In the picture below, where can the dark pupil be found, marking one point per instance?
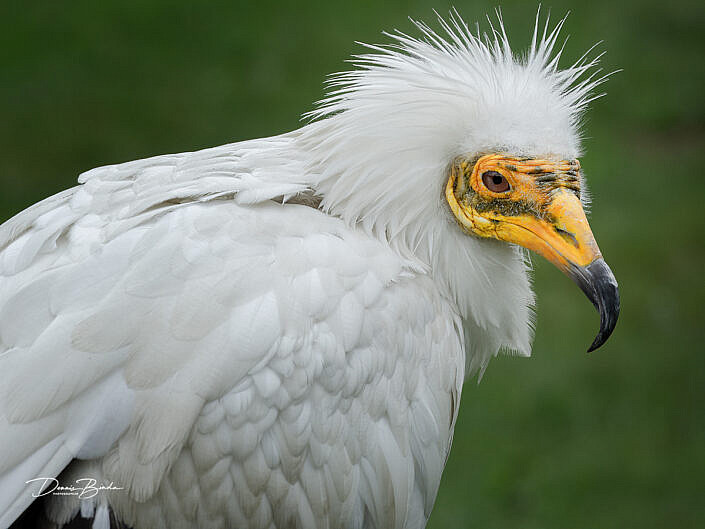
(495, 182)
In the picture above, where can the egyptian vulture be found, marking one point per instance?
(274, 333)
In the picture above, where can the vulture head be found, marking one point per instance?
(462, 155)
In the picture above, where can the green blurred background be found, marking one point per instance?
(564, 439)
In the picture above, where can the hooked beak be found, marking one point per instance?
(564, 237)
(600, 286)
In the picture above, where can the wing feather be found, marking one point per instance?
(168, 306)
(103, 304)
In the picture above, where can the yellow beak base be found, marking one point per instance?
(563, 235)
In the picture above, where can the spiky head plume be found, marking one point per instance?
(426, 100)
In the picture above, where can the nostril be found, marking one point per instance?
(567, 236)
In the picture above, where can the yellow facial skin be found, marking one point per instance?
(540, 211)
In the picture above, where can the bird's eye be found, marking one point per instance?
(495, 182)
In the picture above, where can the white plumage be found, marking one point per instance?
(274, 333)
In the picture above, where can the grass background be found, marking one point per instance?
(613, 439)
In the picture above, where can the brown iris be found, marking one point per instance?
(495, 182)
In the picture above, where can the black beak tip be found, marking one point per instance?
(597, 281)
(596, 343)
